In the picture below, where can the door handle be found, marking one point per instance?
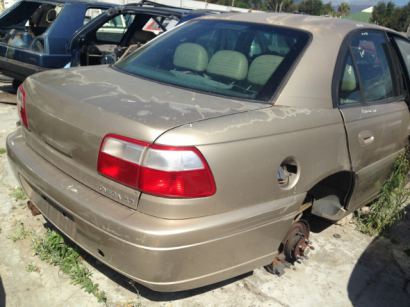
(366, 138)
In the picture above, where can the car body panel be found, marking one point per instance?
(376, 135)
(123, 104)
(171, 244)
(150, 249)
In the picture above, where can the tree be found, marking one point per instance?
(328, 10)
(388, 15)
(280, 5)
(343, 9)
(311, 7)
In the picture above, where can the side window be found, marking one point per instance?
(91, 13)
(349, 91)
(370, 54)
(114, 29)
(404, 47)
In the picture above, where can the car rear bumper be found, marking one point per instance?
(162, 254)
(18, 70)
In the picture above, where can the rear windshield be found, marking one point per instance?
(235, 59)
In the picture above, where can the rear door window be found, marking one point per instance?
(369, 51)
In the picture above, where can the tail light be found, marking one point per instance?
(21, 105)
(180, 172)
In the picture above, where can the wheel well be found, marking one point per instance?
(339, 184)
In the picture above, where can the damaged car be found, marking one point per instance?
(35, 34)
(121, 30)
(201, 155)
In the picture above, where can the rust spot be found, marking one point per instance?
(33, 208)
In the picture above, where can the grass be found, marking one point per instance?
(18, 194)
(31, 267)
(52, 249)
(389, 207)
(20, 233)
(2, 151)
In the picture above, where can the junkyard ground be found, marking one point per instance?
(346, 268)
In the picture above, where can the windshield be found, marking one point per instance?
(235, 59)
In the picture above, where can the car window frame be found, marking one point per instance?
(344, 51)
(280, 86)
(402, 65)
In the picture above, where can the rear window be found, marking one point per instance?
(234, 59)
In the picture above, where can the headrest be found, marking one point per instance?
(191, 56)
(228, 63)
(262, 68)
(349, 82)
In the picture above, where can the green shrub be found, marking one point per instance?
(53, 249)
(388, 208)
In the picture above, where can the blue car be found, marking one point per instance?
(122, 29)
(35, 34)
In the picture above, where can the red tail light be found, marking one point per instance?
(21, 105)
(180, 172)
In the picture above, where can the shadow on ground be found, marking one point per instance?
(317, 225)
(139, 289)
(2, 294)
(381, 276)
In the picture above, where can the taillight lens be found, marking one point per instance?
(21, 105)
(120, 159)
(166, 171)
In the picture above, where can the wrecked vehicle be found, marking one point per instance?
(121, 30)
(35, 34)
(199, 156)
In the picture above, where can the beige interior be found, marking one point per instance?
(349, 81)
(191, 56)
(228, 63)
(262, 68)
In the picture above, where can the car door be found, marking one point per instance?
(371, 100)
(402, 47)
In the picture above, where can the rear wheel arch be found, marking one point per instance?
(334, 190)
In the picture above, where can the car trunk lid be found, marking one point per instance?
(70, 111)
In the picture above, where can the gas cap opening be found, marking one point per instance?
(288, 173)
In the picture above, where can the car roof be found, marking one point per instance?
(319, 58)
(313, 24)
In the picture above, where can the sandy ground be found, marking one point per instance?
(346, 268)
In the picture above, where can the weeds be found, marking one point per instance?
(2, 151)
(31, 267)
(18, 194)
(52, 249)
(20, 233)
(388, 208)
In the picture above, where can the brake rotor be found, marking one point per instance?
(297, 244)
